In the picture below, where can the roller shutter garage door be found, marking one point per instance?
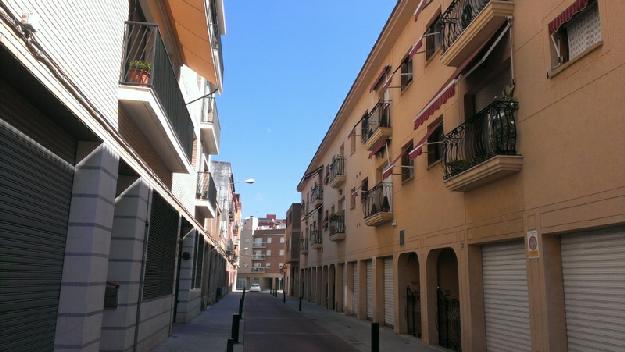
(370, 288)
(593, 271)
(389, 313)
(506, 306)
(356, 286)
(35, 194)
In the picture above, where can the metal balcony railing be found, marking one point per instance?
(336, 167)
(380, 116)
(259, 244)
(258, 257)
(303, 244)
(315, 235)
(316, 193)
(206, 189)
(258, 269)
(378, 199)
(458, 17)
(488, 133)
(146, 63)
(337, 223)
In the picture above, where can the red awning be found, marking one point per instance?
(418, 150)
(377, 147)
(419, 9)
(378, 81)
(567, 14)
(415, 47)
(439, 99)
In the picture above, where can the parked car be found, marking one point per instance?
(255, 288)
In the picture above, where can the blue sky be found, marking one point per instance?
(288, 66)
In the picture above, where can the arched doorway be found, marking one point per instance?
(409, 293)
(448, 300)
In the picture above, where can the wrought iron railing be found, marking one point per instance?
(206, 189)
(458, 17)
(303, 244)
(316, 193)
(146, 63)
(315, 235)
(337, 223)
(380, 116)
(258, 269)
(259, 244)
(336, 167)
(488, 133)
(378, 199)
(258, 257)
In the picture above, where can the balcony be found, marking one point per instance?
(337, 226)
(303, 246)
(316, 196)
(258, 257)
(206, 195)
(482, 149)
(376, 127)
(468, 24)
(150, 96)
(337, 171)
(210, 129)
(378, 204)
(315, 238)
(259, 245)
(258, 269)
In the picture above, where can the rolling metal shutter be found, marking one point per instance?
(356, 292)
(35, 195)
(389, 313)
(506, 306)
(593, 271)
(370, 288)
(160, 262)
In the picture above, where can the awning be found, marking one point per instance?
(377, 147)
(418, 150)
(566, 15)
(435, 103)
(419, 9)
(191, 25)
(378, 81)
(388, 170)
(415, 47)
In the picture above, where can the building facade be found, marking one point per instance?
(470, 188)
(263, 252)
(293, 243)
(108, 206)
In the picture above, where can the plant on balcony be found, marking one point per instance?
(139, 71)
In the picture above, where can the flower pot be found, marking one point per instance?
(139, 76)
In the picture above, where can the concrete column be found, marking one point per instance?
(472, 298)
(378, 290)
(428, 280)
(85, 268)
(362, 292)
(349, 288)
(324, 286)
(130, 225)
(206, 276)
(338, 284)
(188, 305)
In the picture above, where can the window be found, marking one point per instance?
(578, 35)
(282, 252)
(364, 127)
(435, 147)
(268, 265)
(364, 188)
(352, 142)
(352, 198)
(406, 72)
(282, 239)
(268, 239)
(407, 164)
(269, 252)
(433, 37)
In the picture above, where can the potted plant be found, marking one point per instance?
(139, 71)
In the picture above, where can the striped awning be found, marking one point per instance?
(436, 102)
(566, 15)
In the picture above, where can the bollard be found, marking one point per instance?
(300, 303)
(236, 319)
(230, 346)
(241, 307)
(375, 337)
(283, 296)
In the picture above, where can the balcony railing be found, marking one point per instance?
(258, 257)
(380, 116)
(316, 194)
(303, 245)
(206, 189)
(315, 235)
(337, 223)
(146, 63)
(259, 245)
(378, 199)
(258, 269)
(458, 17)
(336, 167)
(488, 133)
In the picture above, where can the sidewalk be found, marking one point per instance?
(358, 332)
(208, 332)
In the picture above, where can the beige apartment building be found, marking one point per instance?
(471, 188)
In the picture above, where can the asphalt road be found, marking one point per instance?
(271, 326)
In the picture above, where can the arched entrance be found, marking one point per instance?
(409, 293)
(447, 299)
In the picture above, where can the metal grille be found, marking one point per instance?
(389, 312)
(378, 199)
(206, 189)
(458, 17)
(380, 116)
(160, 262)
(356, 288)
(584, 31)
(506, 305)
(35, 193)
(370, 288)
(199, 261)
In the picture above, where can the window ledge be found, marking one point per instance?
(558, 69)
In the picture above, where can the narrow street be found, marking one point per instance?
(269, 325)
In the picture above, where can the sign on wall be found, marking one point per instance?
(532, 244)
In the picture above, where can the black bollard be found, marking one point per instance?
(300, 303)
(283, 296)
(241, 307)
(375, 337)
(236, 319)
(230, 346)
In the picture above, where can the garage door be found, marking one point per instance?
(370, 288)
(593, 269)
(389, 314)
(35, 193)
(506, 305)
(356, 286)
